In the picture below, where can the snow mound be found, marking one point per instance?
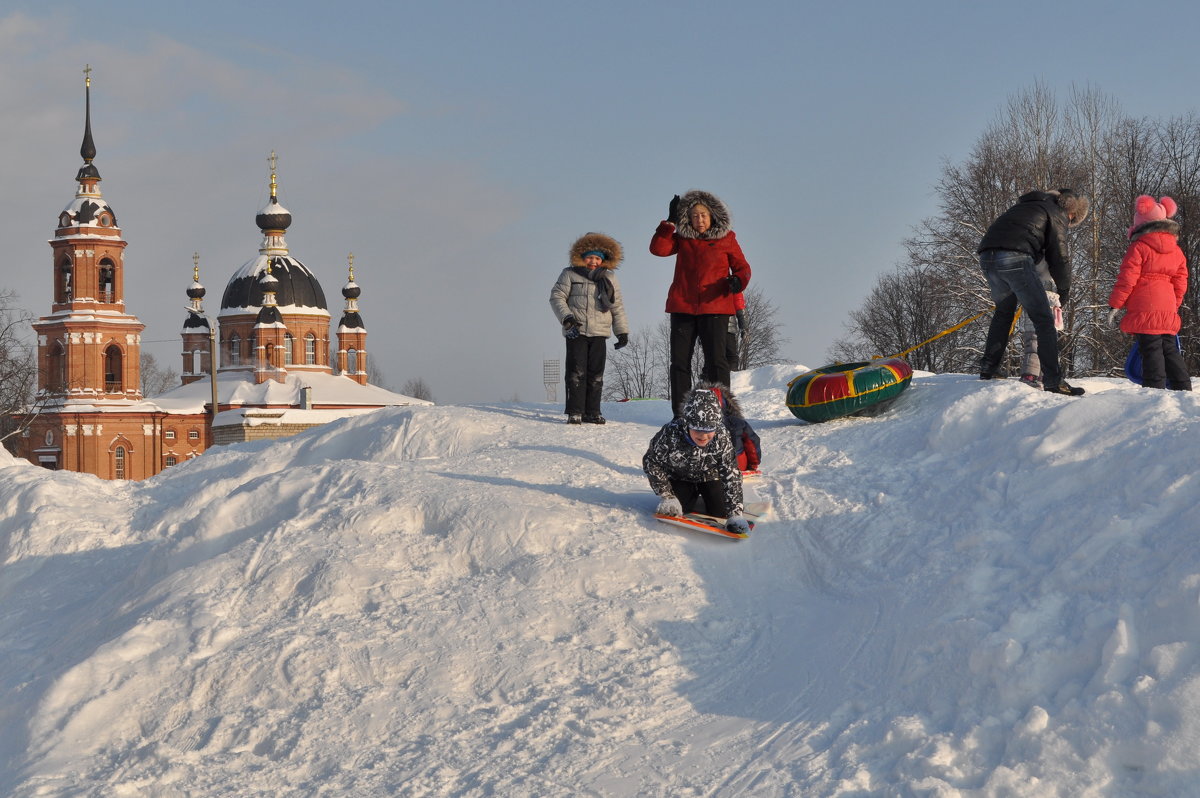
(985, 590)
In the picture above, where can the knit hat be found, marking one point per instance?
(702, 412)
(1146, 210)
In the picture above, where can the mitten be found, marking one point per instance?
(737, 525)
(622, 340)
(570, 327)
(1112, 317)
(669, 505)
(735, 284)
(673, 209)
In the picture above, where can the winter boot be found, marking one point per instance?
(596, 419)
(1063, 388)
(574, 418)
(1032, 381)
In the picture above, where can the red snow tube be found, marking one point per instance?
(845, 389)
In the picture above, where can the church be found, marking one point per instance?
(266, 368)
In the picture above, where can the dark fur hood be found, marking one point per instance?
(613, 254)
(1161, 226)
(721, 221)
(729, 402)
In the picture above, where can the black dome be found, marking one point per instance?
(273, 217)
(195, 321)
(296, 285)
(351, 320)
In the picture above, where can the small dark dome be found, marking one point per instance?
(195, 321)
(196, 291)
(268, 281)
(351, 320)
(88, 172)
(351, 290)
(269, 315)
(273, 217)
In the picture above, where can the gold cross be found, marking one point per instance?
(350, 258)
(196, 266)
(87, 74)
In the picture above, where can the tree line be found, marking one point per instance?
(1084, 142)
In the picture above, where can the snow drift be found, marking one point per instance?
(986, 590)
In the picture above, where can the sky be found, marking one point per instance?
(459, 148)
(984, 590)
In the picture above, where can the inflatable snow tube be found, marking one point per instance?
(846, 389)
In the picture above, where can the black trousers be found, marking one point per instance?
(585, 374)
(713, 494)
(1162, 364)
(712, 329)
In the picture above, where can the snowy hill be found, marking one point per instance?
(985, 590)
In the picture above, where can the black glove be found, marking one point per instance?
(673, 209)
(1062, 296)
(622, 340)
(570, 327)
(735, 284)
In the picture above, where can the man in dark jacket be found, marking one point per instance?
(1033, 229)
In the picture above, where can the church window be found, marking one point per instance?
(112, 369)
(119, 463)
(170, 461)
(352, 361)
(66, 271)
(235, 350)
(193, 435)
(107, 272)
(169, 434)
(58, 368)
(310, 349)
(288, 343)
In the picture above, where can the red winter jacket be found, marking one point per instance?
(702, 270)
(1152, 281)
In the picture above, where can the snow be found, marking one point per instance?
(984, 591)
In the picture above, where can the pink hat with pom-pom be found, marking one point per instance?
(1146, 210)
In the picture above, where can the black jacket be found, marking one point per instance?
(1036, 226)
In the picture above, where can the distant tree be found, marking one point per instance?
(762, 340)
(18, 371)
(156, 379)
(375, 375)
(417, 389)
(636, 371)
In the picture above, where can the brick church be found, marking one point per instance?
(274, 376)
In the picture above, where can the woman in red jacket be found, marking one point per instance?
(710, 270)
(1150, 286)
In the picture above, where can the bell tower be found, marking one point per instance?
(88, 347)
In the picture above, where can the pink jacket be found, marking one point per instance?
(1152, 282)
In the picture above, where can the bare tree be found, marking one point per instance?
(155, 378)
(18, 371)
(636, 371)
(762, 339)
(375, 375)
(417, 389)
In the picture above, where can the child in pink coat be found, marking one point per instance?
(1150, 286)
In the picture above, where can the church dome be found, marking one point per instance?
(273, 217)
(297, 289)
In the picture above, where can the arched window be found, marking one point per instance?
(113, 374)
(197, 362)
(352, 361)
(288, 343)
(57, 378)
(235, 350)
(119, 463)
(310, 349)
(107, 281)
(66, 271)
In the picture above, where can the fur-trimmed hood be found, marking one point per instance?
(722, 223)
(1161, 226)
(613, 254)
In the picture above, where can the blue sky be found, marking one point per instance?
(458, 148)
